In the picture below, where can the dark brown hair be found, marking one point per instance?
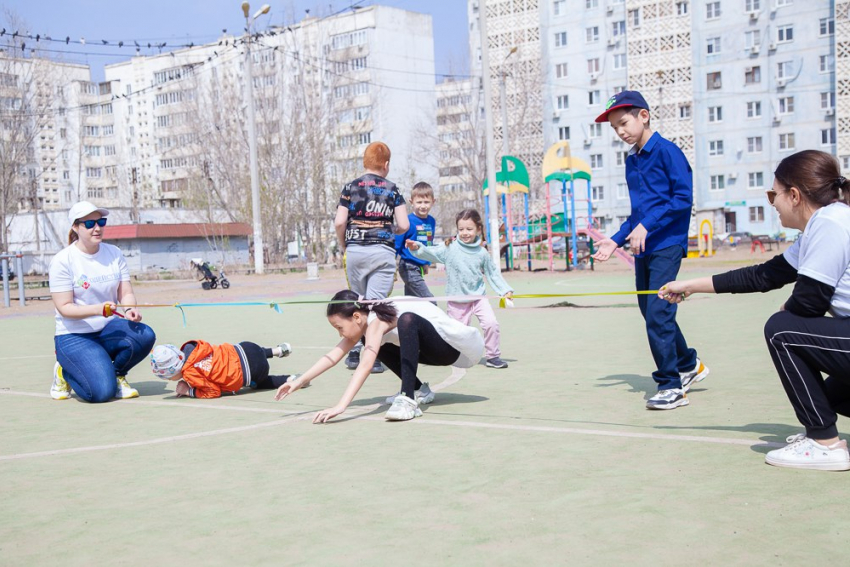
(72, 236)
(817, 175)
(474, 216)
(635, 111)
(344, 303)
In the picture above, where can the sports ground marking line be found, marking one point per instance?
(357, 413)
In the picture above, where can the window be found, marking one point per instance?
(827, 26)
(784, 70)
(559, 7)
(91, 150)
(713, 81)
(622, 190)
(717, 182)
(684, 111)
(561, 39)
(564, 133)
(755, 180)
(752, 75)
(786, 105)
(752, 38)
(715, 114)
(634, 17)
(595, 130)
(752, 5)
(597, 193)
(591, 4)
(754, 144)
(94, 172)
(362, 113)
(715, 148)
(825, 63)
(563, 102)
(108, 130)
(712, 46)
(364, 138)
(682, 8)
(781, 3)
(756, 214)
(593, 97)
(350, 39)
(621, 158)
(786, 141)
(109, 150)
(595, 161)
(827, 100)
(619, 61)
(754, 109)
(785, 34)
(827, 137)
(93, 131)
(593, 65)
(591, 34)
(712, 10)
(618, 28)
(560, 70)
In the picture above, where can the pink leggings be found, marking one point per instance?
(481, 308)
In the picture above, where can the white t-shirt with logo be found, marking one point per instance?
(93, 278)
(823, 253)
(466, 340)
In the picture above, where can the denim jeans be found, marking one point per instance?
(91, 361)
(666, 342)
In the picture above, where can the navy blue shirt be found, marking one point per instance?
(422, 231)
(661, 191)
(371, 201)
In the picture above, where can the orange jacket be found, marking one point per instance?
(212, 369)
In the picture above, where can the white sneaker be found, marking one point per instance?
(125, 391)
(424, 395)
(285, 350)
(698, 374)
(805, 453)
(667, 399)
(59, 390)
(403, 409)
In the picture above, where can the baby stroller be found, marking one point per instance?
(209, 280)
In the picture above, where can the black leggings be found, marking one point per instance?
(258, 367)
(803, 349)
(420, 342)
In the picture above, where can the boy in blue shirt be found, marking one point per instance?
(422, 225)
(660, 184)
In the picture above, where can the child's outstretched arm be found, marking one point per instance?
(494, 276)
(436, 253)
(322, 365)
(368, 356)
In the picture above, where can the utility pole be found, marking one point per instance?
(488, 137)
(35, 217)
(134, 213)
(252, 138)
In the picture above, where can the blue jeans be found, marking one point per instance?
(669, 348)
(91, 361)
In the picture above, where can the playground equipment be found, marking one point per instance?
(511, 180)
(705, 241)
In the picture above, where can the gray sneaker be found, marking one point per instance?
(285, 350)
(667, 399)
(496, 362)
(424, 395)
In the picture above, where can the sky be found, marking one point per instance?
(202, 21)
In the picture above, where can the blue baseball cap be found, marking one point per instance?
(623, 99)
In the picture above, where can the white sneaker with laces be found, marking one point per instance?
(667, 399)
(125, 391)
(424, 395)
(285, 350)
(403, 409)
(59, 390)
(805, 453)
(698, 374)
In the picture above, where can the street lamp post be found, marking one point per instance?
(492, 198)
(252, 137)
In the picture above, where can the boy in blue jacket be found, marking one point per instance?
(422, 225)
(660, 184)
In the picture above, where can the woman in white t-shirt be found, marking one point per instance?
(95, 345)
(810, 195)
(401, 334)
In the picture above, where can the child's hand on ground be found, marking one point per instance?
(288, 388)
(604, 249)
(411, 245)
(330, 413)
(182, 389)
(637, 239)
(673, 292)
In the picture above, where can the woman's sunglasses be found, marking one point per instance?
(101, 222)
(771, 195)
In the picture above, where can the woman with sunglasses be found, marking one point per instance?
(810, 195)
(96, 344)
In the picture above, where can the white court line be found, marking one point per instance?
(354, 413)
(54, 356)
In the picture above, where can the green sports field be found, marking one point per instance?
(553, 461)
